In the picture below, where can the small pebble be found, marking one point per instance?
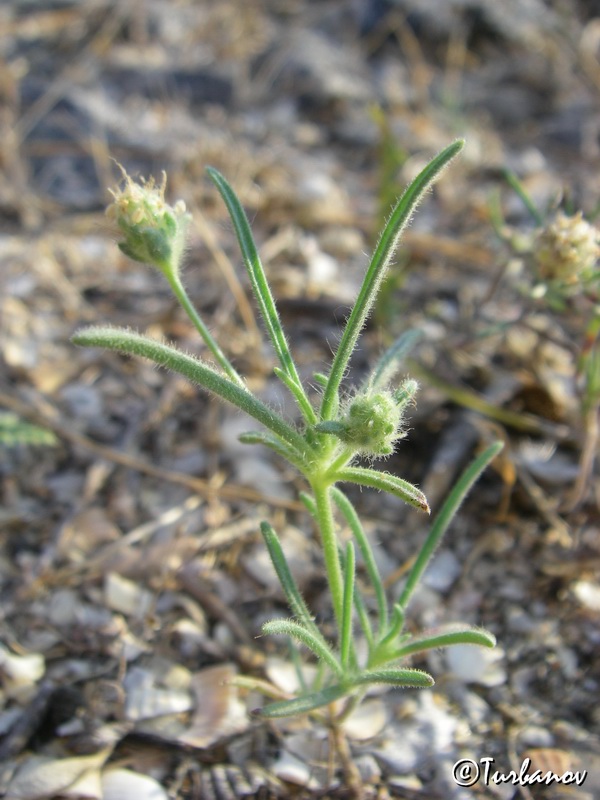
(476, 664)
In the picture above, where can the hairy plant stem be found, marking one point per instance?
(326, 525)
(183, 297)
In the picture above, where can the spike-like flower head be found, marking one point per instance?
(567, 250)
(154, 231)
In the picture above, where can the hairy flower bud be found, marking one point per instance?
(154, 231)
(567, 250)
(372, 421)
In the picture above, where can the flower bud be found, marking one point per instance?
(154, 231)
(372, 423)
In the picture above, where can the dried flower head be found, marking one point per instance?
(154, 231)
(567, 250)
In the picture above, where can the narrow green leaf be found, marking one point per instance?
(14, 432)
(135, 344)
(518, 187)
(295, 600)
(299, 394)
(277, 445)
(287, 627)
(331, 427)
(475, 636)
(347, 605)
(363, 617)
(396, 625)
(309, 503)
(377, 269)
(302, 705)
(399, 677)
(445, 516)
(354, 523)
(386, 482)
(389, 364)
(256, 273)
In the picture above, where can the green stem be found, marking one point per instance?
(183, 298)
(297, 390)
(347, 454)
(351, 517)
(326, 525)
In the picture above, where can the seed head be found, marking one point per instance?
(567, 250)
(154, 232)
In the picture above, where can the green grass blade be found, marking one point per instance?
(445, 516)
(518, 187)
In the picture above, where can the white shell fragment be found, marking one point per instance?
(145, 701)
(40, 778)
(476, 664)
(125, 596)
(367, 720)
(291, 769)
(18, 674)
(219, 711)
(285, 676)
(588, 594)
(122, 784)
